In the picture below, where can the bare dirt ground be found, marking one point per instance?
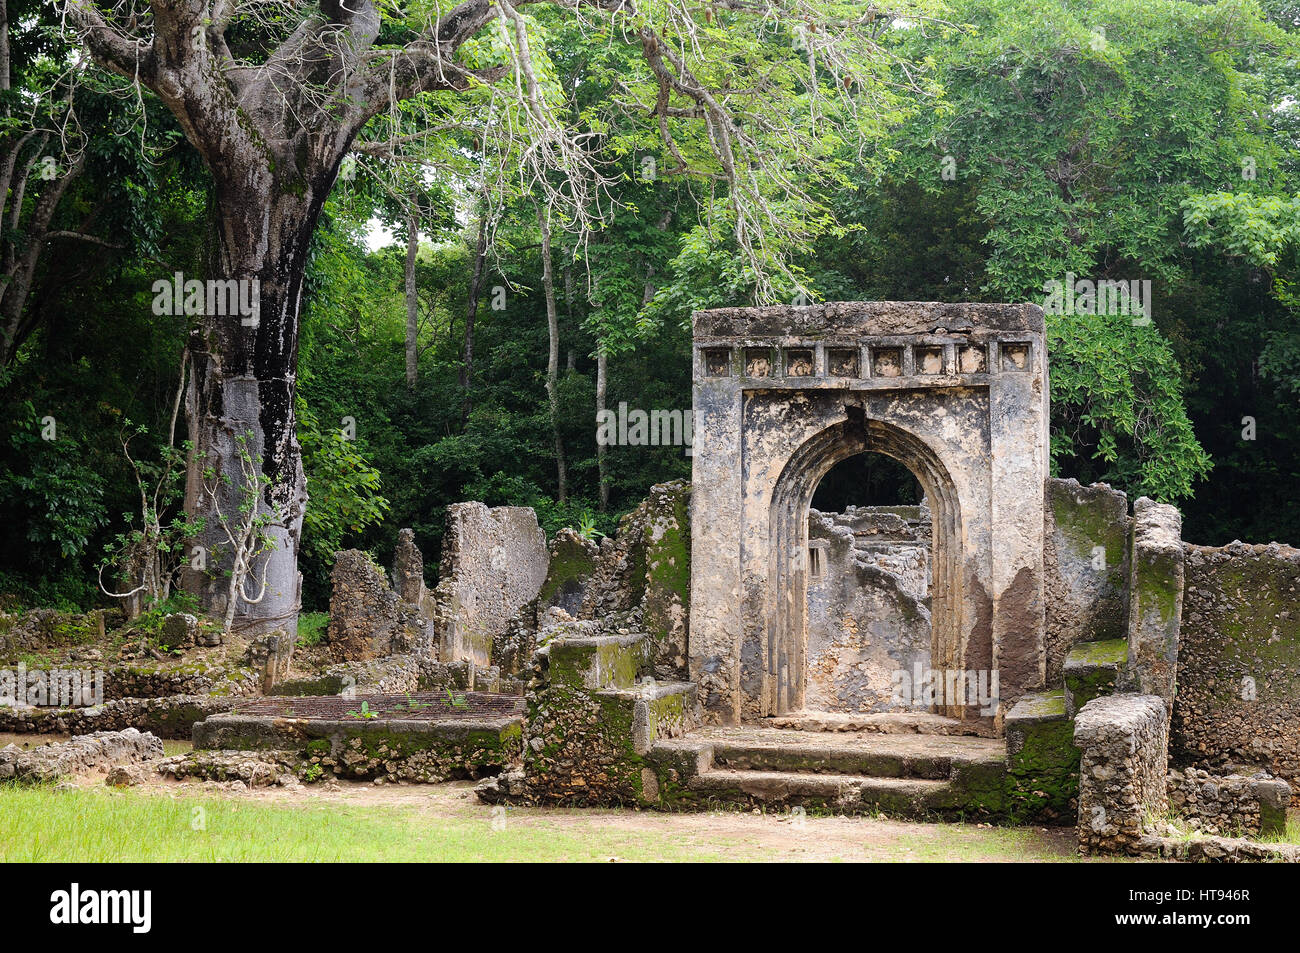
(713, 835)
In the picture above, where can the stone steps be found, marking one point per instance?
(888, 722)
(1093, 669)
(907, 774)
(840, 792)
(660, 710)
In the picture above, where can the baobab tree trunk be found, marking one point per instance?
(241, 398)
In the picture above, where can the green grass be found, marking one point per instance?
(1292, 834)
(39, 825)
(99, 824)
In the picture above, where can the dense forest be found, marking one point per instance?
(494, 261)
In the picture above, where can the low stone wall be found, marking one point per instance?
(100, 750)
(1123, 742)
(1228, 804)
(1085, 566)
(1238, 704)
(172, 717)
(1220, 850)
(426, 744)
(129, 682)
(252, 768)
(40, 630)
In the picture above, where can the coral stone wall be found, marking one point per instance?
(1238, 703)
(1124, 746)
(494, 561)
(1085, 564)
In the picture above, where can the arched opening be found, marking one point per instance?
(786, 661)
(868, 586)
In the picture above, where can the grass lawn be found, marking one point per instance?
(443, 823)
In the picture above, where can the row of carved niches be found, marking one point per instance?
(864, 361)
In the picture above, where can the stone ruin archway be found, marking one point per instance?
(958, 393)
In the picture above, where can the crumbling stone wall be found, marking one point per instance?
(1123, 742)
(1085, 562)
(1228, 804)
(41, 630)
(367, 618)
(1238, 703)
(494, 562)
(635, 581)
(868, 614)
(171, 717)
(645, 571)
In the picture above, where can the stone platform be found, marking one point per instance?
(422, 736)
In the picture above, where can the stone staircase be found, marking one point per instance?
(1042, 761)
(905, 773)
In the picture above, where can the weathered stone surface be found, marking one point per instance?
(1238, 703)
(1124, 749)
(413, 746)
(1155, 599)
(1215, 850)
(642, 576)
(868, 607)
(252, 768)
(271, 656)
(40, 630)
(82, 754)
(170, 717)
(974, 434)
(1085, 562)
(180, 628)
(572, 564)
(494, 562)
(1092, 669)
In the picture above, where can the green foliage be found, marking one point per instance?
(50, 489)
(344, 487)
(312, 627)
(1117, 388)
(1105, 138)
